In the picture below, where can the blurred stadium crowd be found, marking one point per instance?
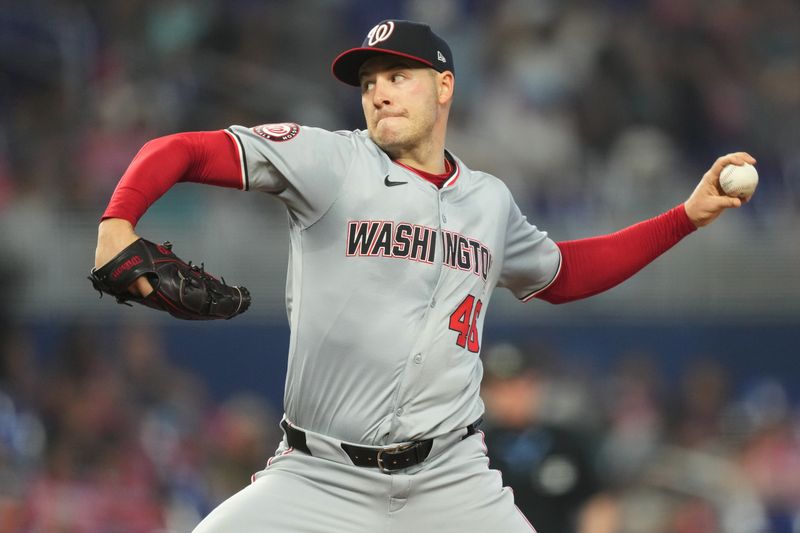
(95, 440)
(612, 96)
(594, 113)
(92, 441)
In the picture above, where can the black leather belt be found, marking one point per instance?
(389, 459)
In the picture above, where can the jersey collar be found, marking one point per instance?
(456, 173)
(452, 174)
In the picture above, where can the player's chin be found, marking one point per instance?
(389, 141)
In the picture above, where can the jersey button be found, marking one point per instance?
(433, 303)
(418, 358)
(444, 218)
(399, 411)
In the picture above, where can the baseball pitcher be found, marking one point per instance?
(396, 248)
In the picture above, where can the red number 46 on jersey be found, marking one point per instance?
(464, 320)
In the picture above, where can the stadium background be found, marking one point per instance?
(596, 114)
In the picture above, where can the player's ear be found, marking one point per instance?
(445, 84)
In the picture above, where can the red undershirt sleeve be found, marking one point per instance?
(209, 157)
(593, 265)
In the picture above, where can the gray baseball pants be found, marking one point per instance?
(453, 491)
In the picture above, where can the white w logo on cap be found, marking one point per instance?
(380, 33)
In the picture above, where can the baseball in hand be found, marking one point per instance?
(739, 181)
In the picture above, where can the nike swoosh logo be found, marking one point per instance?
(389, 183)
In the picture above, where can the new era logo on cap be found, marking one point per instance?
(395, 37)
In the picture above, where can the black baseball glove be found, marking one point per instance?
(181, 289)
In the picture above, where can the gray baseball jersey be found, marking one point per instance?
(389, 281)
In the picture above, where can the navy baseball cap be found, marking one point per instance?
(395, 37)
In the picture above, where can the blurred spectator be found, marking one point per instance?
(704, 394)
(22, 435)
(549, 466)
(242, 436)
(635, 416)
(770, 455)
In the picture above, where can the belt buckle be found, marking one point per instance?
(394, 449)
